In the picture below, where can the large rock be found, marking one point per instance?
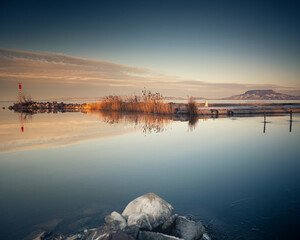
(101, 233)
(187, 229)
(113, 236)
(48, 236)
(169, 223)
(144, 235)
(108, 232)
(117, 220)
(156, 208)
(132, 231)
(141, 220)
(77, 236)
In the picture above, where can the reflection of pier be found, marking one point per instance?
(248, 109)
(291, 121)
(151, 122)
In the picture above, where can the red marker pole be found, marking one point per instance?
(20, 99)
(20, 92)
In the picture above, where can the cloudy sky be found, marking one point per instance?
(198, 48)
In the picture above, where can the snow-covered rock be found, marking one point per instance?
(106, 232)
(141, 220)
(144, 235)
(146, 218)
(169, 223)
(156, 208)
(116, 219)
(187, 229)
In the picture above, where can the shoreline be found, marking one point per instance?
(176, 108)
(147, 217)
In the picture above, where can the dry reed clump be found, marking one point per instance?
(26, 99)
(192, 107)
(147, 103)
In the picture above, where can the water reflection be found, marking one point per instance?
(193, 122)
(62, 129)
(265, 122)
(147, 123)
(24, 117)
(53, 130)
(291, 120)
(225, 171)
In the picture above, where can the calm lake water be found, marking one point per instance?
(66, 171)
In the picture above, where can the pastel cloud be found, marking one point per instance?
(86, 77)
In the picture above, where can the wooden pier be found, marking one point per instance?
(214, 110)
(249, 110)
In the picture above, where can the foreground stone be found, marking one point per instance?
(169, 223)
(141, 220)
(48, 236)
(156, 208)
(155, 236)
(145, 218)
(187, 229)
(117, 220)
(106, 232)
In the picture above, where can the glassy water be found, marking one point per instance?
(64, 172)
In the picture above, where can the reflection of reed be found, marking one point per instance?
(25, 116)
(193, 121)
(148, 123)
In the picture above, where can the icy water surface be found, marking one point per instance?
(66, 171)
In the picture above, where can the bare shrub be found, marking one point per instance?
(26, 99)
(192, 107)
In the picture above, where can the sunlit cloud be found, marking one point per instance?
(65, 76)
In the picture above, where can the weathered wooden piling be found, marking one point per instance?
(265, 122)
(291, 120)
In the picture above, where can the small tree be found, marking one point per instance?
(192, 107)
(26, 99)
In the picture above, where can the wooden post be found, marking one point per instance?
(291, 120)
(265, 121)
(20, 92)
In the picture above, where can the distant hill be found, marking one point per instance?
(263, 95)
(199, 98)
(174, 98)
(182, 98)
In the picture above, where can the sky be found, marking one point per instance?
(198, 48)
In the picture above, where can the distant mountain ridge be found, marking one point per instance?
(263, 95)
(248, 95)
